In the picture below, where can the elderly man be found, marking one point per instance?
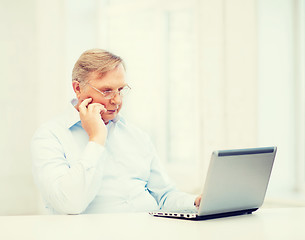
(90, 159)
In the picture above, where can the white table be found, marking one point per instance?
(273, 223)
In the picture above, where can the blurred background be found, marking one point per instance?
(205, 75)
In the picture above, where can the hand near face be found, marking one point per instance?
(90, 116)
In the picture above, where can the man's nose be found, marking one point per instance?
(117, 99)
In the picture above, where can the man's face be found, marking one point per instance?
(113, 80)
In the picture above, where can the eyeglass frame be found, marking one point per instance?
(113, 93)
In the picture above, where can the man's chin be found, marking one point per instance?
(108, 117)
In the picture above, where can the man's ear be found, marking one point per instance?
(76, 88)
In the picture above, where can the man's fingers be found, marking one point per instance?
(197, 201)
(84, 104)
(97, 107)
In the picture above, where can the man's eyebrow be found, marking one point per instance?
(106, 88)
(111, 88)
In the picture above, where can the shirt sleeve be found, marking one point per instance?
(68, 188)
(164, 191)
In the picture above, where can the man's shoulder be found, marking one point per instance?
(54, 124)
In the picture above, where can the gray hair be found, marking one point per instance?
(94, 60)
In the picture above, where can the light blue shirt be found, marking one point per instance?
(76, 176)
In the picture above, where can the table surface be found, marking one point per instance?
(266, 223)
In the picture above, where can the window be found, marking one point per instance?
(159, 46)
(281, 92)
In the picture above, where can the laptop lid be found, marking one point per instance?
(236, 180)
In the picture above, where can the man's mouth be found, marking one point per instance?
(111, 111)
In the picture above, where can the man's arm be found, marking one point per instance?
(67, 187)
(70, 187)
(166, 195)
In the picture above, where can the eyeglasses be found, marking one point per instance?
(110, 94)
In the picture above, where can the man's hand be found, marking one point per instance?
(197, 201)
(92, 122)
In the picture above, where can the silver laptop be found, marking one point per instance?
(236, 184)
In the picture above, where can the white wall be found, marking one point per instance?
(19, 103)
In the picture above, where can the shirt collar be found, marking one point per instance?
(73, 115)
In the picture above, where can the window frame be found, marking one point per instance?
(299, 9)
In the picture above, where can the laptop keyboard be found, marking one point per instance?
(188, 211)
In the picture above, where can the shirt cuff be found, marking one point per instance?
(185, 202)
(190, 202)
(92, 154)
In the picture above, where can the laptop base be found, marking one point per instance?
(193, 217)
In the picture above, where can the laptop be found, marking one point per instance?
(236, 184)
